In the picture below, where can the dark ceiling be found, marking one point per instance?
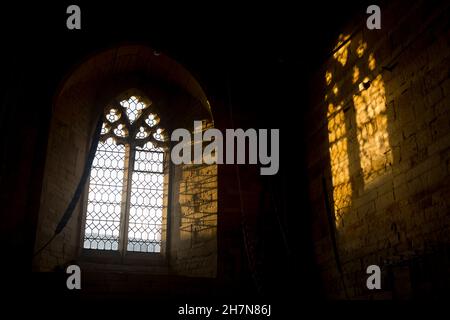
(214, 40)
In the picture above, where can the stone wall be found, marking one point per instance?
(194, 223)
(70, 134)
(379, 144)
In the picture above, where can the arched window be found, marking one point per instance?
(125, 205)
(139, 211)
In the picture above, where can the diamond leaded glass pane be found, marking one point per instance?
(146, 200)
(105, 197)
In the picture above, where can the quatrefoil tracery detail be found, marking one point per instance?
(132, 121)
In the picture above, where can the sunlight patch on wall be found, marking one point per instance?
(337, 135)
(335, 90)
(341, 55)
(372, 62)
(369, 135)
(372, 134)
(355, 74)
(198, 201)
(362, 46)
(328, 77)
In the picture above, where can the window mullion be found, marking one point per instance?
(126, 200)
(169, 172)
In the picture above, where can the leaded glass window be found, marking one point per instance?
(126, 189)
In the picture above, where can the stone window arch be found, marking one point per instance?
(188, 237)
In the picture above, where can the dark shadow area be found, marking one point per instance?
(258, 66)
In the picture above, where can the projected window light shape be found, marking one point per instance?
(370, 133)
(339, 160)
(355, 77)
(125, 209)
(328, 77)
(362, 46)
(343, 44)
(198, 201)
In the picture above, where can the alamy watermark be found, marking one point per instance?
(235, 147)
(73, 21)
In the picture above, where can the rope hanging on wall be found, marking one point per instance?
(79, 190)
